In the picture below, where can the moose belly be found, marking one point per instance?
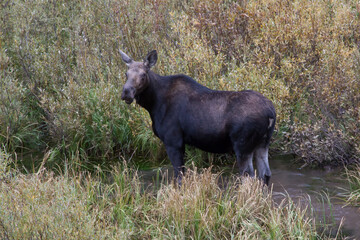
(209, 143)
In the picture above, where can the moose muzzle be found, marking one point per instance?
(128, 94)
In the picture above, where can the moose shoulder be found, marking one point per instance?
(184, 112)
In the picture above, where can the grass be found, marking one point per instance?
(353, 176)
(114, 204)
(60, 83)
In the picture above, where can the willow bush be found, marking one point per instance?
(61, 73)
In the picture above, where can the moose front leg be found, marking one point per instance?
(176, 155)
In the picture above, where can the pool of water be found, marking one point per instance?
(322, 189)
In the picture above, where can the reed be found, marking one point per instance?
(353, 195)
(114, 204)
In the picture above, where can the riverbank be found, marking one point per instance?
(112, 204)
(65, 127)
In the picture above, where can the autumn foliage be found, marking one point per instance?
(61, 72)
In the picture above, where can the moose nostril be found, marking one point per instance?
(124, 93)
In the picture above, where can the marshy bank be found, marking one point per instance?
(60, 82)
(324, 192)
(115, 204)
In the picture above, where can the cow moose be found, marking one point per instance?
(184, 112)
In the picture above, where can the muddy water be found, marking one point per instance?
(322, 189)
(325, 189)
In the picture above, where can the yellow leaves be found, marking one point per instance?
(292, 51)
(222, 84)
(192, 54)
(196, 23)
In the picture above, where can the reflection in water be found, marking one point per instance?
(320, 186)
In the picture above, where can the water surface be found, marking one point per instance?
(324, 188)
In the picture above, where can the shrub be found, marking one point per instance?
(60, 62)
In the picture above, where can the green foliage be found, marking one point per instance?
(19, 115)
(61, 73)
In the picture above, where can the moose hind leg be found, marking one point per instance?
(245, 164)
(262, 163)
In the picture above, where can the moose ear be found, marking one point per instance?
(151, 59)
(125, 58)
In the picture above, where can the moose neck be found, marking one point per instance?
(150, 96)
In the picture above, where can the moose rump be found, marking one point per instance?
(184, 112)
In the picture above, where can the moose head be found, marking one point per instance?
(137, 75)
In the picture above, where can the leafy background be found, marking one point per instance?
(62, 75)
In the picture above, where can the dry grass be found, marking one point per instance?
(353, 197)
(243, 210)
(112, 205)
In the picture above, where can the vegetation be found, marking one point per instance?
(64, 128)
(61, 73)
(113, 205)
(353, 196)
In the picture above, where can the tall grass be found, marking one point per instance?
(113, 205)
(61, 73)
(353, 176)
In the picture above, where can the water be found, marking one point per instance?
(323, 189)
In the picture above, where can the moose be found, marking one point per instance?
(185, 112)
